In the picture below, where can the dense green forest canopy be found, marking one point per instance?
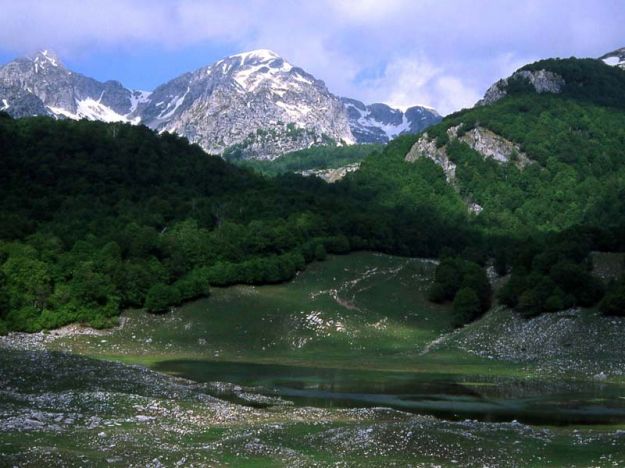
(587, 80)
(97, 217)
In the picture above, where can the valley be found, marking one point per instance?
(346, 363)
(242, 268)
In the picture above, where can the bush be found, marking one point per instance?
(466, 306)
(436, 293)
(453, 274)
(320, 253)
(25, 319)
(100, 322)
(160, 297)
(614, 301)
(193, 285)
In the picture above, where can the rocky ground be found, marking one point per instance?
(59, 409)
(575, 343)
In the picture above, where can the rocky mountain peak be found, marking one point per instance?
(253, 104)
(46, 58)
(543, 81)
(379, 123)
(39, 84)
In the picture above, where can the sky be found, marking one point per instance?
(443, 54)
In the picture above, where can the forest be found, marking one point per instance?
(99, 217)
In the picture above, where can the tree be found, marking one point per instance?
(614, 301)
(28, 280)
(466, 306)
(160, 297)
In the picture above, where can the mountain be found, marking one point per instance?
(379, 123)
(542, 151)
(253, 105)
(133, 217)
(615, 58)
(538, 170)
(41, 85)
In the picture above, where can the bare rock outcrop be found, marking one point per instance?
(543, 81)
(332, 175)
(484, 141)
(426, 148)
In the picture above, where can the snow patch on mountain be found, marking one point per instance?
(379, 123)
(174, 104)
(615, 58)
(138, 97)
(90, 109)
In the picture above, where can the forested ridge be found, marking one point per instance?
(98, 217)
(544, 219)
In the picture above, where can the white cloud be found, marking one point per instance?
(367, 11)
(442, 54)
(453, 94)
(406, 82)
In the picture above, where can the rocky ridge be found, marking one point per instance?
(484, 141)
(41, 85)
(249, 105)
(379, 123)
(615, 58)
(543, 81)
(332, 175)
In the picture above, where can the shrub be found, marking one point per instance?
(466, 306)
(160, 297)
(614, 301)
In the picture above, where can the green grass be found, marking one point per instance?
(358, 311)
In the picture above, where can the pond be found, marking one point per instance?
(445, 396)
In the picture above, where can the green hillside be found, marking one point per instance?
(543, 216)
(99, 217)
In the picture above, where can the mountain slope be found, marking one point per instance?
(379, 123)
(41, 85)
(615, 58)
(539, 159)
(253, 105)
(255, 100)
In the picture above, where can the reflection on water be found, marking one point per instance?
(530, 401)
